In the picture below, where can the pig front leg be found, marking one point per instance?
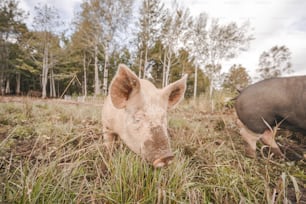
(268, 139)
(109, 139)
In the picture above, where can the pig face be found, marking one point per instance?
(139, 111)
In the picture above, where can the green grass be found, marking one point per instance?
(52, 152)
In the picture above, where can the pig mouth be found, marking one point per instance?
(163, 161)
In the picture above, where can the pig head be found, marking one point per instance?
(136, 111)
(268, 104)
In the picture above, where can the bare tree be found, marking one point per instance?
(174, 29)
(104, 23)
(82, 45)
(195, 40)
(46, 22)
(115, 16)
(152, 15)
(224, 42)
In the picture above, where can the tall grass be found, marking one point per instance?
(52, 152)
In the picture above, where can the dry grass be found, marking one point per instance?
(52, 152)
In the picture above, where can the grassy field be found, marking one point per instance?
(52, 152)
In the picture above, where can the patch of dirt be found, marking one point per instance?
(292, 196)
(3, 132)
(293, 145)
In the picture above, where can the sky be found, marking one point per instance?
(273, 22)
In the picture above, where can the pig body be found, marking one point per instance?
(265, 104)
(136, 111)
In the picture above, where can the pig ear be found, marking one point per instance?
(175, 92)
(123, 86)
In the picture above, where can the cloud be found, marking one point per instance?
(65, 8)
(275, 22)
(299, 24)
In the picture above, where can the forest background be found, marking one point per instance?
(156, 42)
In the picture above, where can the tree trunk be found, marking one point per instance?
(45, 70)
(97, 81)
(140, 61)
(52, 84)
(85, 75)
(164, 71)
(105, 72)
(145, 62)
(4, 64)
(18, 78)
(52, 81)
(211, 88)
(168, 68)
(7, 86)
(195, 83)
(2, 83)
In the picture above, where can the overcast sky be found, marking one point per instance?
(274, 22)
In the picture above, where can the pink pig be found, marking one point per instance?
(136, 111)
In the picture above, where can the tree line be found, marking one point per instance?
(158, 43)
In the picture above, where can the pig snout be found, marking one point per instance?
(157, 148)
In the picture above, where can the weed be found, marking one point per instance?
(52, 152)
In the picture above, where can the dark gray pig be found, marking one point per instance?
(263, 105)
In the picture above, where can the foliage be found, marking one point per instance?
(47, 57)
(46, 24)
(225, 41)
(99, 28)
(237, 78)
(211, 42)
(11, 56)
(152, 15)
(173, 30)
(275, 62)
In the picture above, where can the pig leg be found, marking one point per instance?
(109, 139)
(268, 139)
(250, 140)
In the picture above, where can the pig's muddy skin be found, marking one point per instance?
(268, 103)
(136, 111)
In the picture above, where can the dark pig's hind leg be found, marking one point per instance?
(268, 138)
(250, 140)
